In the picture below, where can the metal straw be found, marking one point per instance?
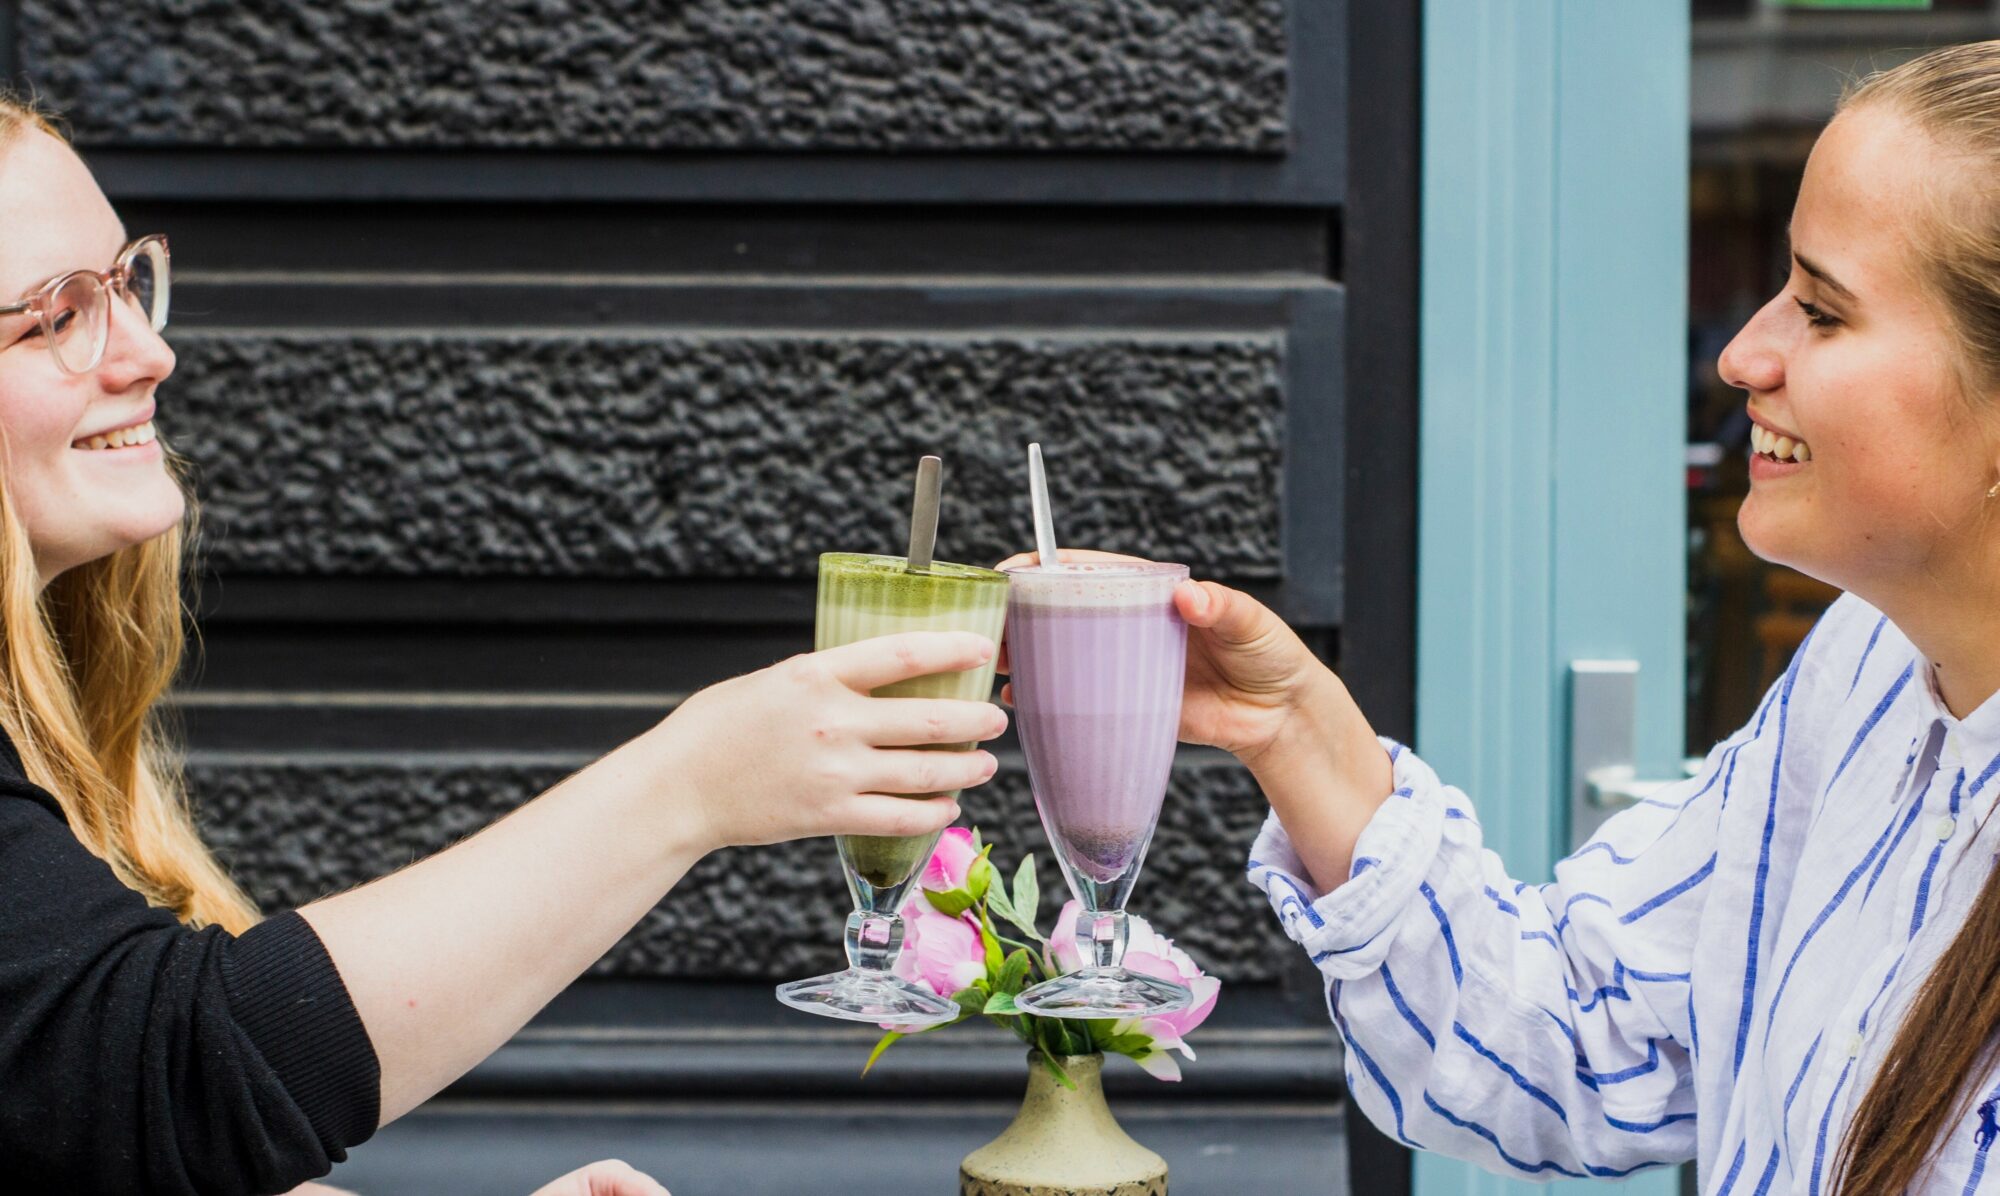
(1038, 497)
(924, 513)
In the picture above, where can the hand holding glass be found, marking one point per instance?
(862, 597)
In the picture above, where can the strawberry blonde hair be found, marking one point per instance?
(83, 665)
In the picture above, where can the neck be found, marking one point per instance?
(1953, 626)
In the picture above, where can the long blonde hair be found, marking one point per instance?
(83, 665)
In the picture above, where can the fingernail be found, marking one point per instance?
(1201, 600)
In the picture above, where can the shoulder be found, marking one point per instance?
(15, 785)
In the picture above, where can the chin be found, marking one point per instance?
(135, 527)
(1773, 539)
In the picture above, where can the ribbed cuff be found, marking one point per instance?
(287, 995)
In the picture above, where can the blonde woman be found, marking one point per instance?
(1788, 967)
(158, 1036)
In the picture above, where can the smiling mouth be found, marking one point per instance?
(131, 437)
(1771, 446)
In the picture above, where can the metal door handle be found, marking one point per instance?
(1616, 786)
(1603, 734)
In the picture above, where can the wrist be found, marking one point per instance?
(1313, 726)
(654, 783)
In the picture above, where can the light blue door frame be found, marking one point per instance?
(1551, 520)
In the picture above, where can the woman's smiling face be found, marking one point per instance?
(78, 498)
(1879, 481)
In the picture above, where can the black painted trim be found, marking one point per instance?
(10, 44)
(1380, 248)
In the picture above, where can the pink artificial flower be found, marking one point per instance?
(1150, 954)
(951, 862)
(942, 952)
(1063, 949)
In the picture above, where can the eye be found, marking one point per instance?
(1815, 315)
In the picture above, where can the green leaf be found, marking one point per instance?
(1013, 977)
(970, 1001)
(950, 902)
(996, 900)
(980, 877)
(1129, 1044)
(1056, 1070)
(1027, 900)
(996, 959)
(1060, 1037)
(977, 845)
(1011, 908)
(888, 1040)
(1000, 1004)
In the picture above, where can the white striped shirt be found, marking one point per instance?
(1717, 974)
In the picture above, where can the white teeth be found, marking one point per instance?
(120, 438)
(1783, 448)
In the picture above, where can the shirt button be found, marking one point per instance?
(1854, 1046)
(1945, 826)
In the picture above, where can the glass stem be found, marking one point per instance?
(873, 940)
(1105, 931)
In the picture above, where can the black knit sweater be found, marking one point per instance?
(139, 1056)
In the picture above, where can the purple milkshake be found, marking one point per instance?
(1098, 658)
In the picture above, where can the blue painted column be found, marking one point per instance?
(1551, 521)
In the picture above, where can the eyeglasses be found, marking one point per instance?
(74, 310)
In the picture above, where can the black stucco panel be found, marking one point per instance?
(717, 456)
(299, 829)
(1143, 75)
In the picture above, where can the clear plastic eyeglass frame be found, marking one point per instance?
(74, 309)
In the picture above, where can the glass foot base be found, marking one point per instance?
(1103, 992)
(860, 996)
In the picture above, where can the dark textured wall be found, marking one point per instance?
(1148, 75)
(296, 830)
(530, 350)
(678, 455)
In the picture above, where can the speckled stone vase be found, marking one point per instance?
(1063, 1143)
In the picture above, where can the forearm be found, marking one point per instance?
(447, 958)
(1325, 774)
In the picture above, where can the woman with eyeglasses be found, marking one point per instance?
(159, 1036)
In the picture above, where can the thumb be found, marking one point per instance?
(1229, 615)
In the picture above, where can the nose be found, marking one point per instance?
(1754, 359)
(133, 353)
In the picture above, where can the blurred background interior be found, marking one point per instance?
(1765, 80)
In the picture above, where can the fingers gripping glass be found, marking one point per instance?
(73, 312)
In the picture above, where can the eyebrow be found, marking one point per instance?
(1820, 273)
(124, 239)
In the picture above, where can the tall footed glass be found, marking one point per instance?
(1098, 656)
(862, 597)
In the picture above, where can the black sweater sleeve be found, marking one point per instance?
(139, 1056)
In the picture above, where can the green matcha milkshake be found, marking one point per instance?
(862, 597)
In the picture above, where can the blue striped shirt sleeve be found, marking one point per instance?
(1535, 1030)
